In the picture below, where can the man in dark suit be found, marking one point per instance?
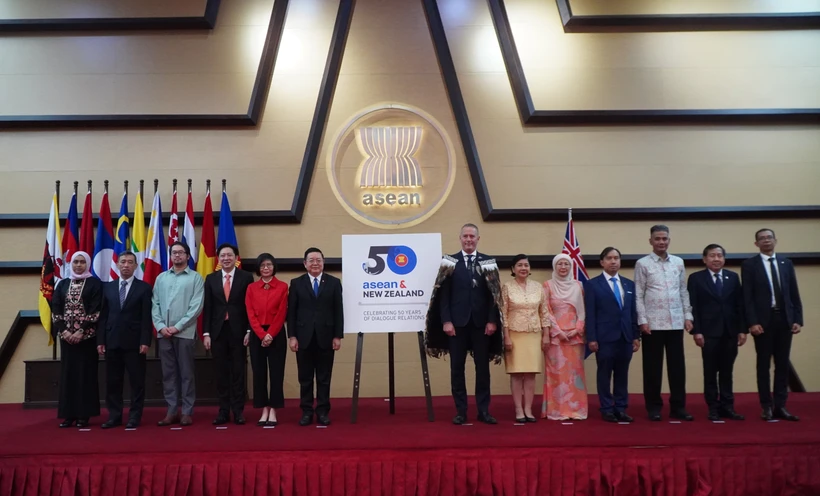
(315, 331)
(612, 333)
(774, 314)
(124, 336)
(469, 316)
(226, 332)
(717, 305)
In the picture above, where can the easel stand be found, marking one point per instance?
(357, 375)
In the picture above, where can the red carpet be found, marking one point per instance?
(406, 455)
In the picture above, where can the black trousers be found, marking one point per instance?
(776, 341)
(613, 368)
(653, 348)
(229, 360)
(117, 362)
(269, 364)
(312, 361)
(465, 338)
(719, 356)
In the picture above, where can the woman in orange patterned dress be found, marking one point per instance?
(565, 393)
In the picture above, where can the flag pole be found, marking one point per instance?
(156, 185)
(190, 181)
(57, 192)
(224, 185)
(142, 187)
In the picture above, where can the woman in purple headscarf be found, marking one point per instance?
(75, 310)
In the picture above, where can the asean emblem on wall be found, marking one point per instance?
(391, 166)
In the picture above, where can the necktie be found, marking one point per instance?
(718, 284)
(123, 285)
(227, 289)
(617, 292)
(316, 286)
(470, 263)
(778, 295)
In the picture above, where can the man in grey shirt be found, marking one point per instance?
(177, 302)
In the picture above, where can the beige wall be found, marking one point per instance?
(390, 57)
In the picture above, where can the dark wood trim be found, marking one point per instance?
(465, 131)
(650, 23)
(294, 264)
(23, 319)
(333, 64)
(532, 116)
(118, 121)
(775, 212)
(206, 21)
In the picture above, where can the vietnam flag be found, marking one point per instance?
(52, 263)
(156, 259)
(207, 246)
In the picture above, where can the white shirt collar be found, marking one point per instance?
(224, 274)
(609, 277)
(465, 254)
(319, 277)
(767, 257)
(718, 273)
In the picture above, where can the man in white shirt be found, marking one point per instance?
(663, 314)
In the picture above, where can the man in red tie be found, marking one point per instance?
(226, 332)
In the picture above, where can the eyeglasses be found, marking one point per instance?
(178, 252)
(266, 266)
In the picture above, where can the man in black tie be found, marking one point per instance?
(124, 335)
(774, 314)
(315, 331)
(717, 306)
(470, 318)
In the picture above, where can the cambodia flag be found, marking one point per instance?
(71, 235)
(104, 247)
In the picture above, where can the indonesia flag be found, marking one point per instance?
(173, 229)
(188, 231)
(155, 256)
(104, 247)
(572, 248)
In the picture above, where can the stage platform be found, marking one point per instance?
(404, 454)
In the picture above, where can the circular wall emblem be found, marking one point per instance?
(391, 166)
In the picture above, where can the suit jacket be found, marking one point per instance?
(127, 326)
(309, 314)
(757, 293)
(606, 321)
(460, 302)
(716, 313)
(216, 306)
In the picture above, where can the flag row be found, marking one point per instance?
(129, 234)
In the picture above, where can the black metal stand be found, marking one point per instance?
(391, 364)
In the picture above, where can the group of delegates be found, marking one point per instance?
(612, 316)
(117, 320)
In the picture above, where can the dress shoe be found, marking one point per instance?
(781, 413)
(322, 419)
(271, 423)
(307, 419)
(531, 420)
(186, 420)
(168, 420)
(520, 420)
(460, 419)
(220, 419)
(767, 413)
(66, 423)
(82, 423)
(487, 418)
(110, 424)
(681, 415)
(239, 420)
(609, 417)
(731, 415)
(262, 422)
(623, 417)
(713, 417)
(654, 416)
(132, 424)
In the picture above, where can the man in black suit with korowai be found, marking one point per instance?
(774, 314)
(226, 332)
(463, 318)
(315, 331)
(719, 328)
(124, 336)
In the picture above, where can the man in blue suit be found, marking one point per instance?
(612, 333)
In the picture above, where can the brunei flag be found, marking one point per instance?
(52, 263)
